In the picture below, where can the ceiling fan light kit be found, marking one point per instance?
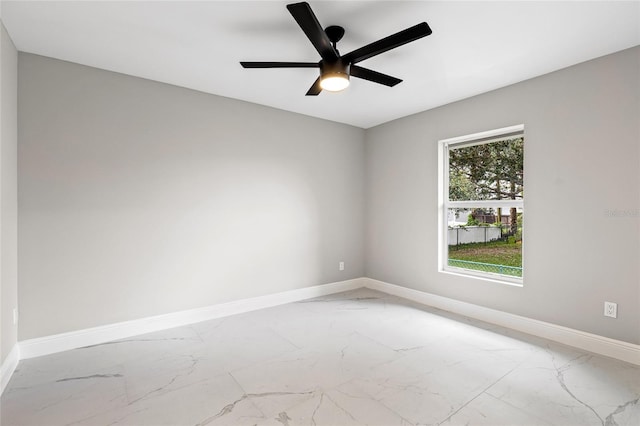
(334, 76)
(336, 69)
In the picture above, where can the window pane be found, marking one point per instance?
(489, 171)
(487, 240)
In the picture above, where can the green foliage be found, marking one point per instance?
(460, 187)
(491, 171)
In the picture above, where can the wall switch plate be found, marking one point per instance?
(15, 316)
(341, 266)
(611, 309)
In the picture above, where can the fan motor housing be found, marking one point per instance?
(336, 69)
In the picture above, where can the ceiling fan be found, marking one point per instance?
(335, 69)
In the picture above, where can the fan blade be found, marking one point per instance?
(375, 76)
(280, 64)
(388, 43)
(305, 17)
(315, 89)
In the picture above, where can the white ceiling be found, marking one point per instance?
(475, 47)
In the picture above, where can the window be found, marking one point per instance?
(482, 204)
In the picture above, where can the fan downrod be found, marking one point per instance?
(335, 33)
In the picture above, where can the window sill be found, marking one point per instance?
(484, 276)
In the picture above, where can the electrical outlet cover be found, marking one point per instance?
(610, 309)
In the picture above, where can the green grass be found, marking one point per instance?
(494, 253)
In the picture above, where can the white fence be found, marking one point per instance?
(473, 234)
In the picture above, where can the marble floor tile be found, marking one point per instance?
(344, 405)
(354, 358)
(302, 374)
(486, 410)
(65, 400)
(428, 384)
(567, 386)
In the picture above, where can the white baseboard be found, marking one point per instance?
(92, 336)
(9, 366)
(590, 342)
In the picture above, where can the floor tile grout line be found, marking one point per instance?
(478, 395)
(277, 333)
(516, 408)
(244, 393)
(368, 396)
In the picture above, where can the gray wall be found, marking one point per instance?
(8, 191)
(582, 141)
(139, 198)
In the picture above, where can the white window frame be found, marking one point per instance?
(444, 204)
